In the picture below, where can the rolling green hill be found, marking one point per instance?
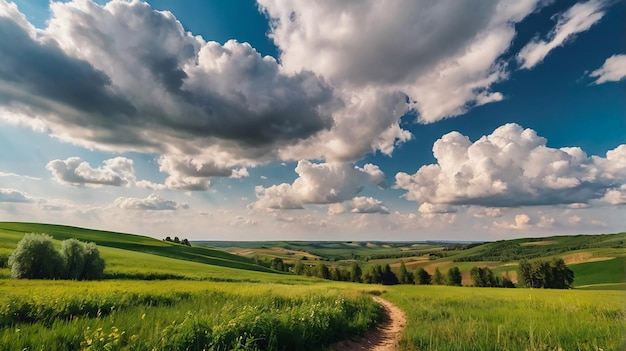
(133, 245)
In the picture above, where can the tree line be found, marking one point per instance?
(36, 258)
(177, 241)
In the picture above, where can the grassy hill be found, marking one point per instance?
(129, 255)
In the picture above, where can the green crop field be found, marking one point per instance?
(158, 295)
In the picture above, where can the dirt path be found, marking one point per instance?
(383, 337)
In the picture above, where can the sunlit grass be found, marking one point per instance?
(461, 318)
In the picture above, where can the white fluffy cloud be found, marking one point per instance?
(443, 55)
(616, 196)
(577, 19)
(321, 183)
(117, 171)
(152, 202)
(522, 222)
(613, 70)
(13, 195)
(512, 167)
(359, 204)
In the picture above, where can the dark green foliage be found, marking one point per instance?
(484, 277)
(355, 272)
(277, 264)
(94, 264)
(4, 260)
(36, 258)
(544, 274)
(404, 276)
(388, 277)
(453, 277)
(176, 240)
(422, 277)
(322, 271)
(437, 278)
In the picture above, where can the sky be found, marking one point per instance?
(329, 120)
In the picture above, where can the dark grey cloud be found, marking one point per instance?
(126, 77)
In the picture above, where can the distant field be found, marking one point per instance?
(170, 297)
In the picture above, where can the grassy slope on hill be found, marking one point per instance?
(11, 233)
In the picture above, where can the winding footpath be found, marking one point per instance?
(383, 337)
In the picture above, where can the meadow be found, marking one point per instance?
(164, 296)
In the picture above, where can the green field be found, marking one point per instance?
(164, 296)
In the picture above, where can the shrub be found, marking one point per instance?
(36, 258)
(73, 252)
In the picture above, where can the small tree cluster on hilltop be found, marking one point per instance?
(544, 274)
(177, 241)
(36, 258)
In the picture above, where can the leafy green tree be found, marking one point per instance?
(388, 277)
(36, 258)
(94, 264)
(322, 271)
(544, 274)
(299, 268)
(438, 278)
(453, 276)
(404, 276)
(73, 252)
(355, 272)
(422, 277)
(277, 264)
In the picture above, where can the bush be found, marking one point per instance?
(36, 258)
(73, 252)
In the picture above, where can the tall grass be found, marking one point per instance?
(175, 315)
(461, 318)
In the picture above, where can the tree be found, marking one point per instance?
(437, 277)
(73, 252)
(388, 277)
(355, 272)
(36, 258)
(544, 274)
(299, 268)
(176, 240)
(185, 242)
(404, 276)
(422, 277)
(94, 264)
(322, 271)
(453, 276)
(277, 264)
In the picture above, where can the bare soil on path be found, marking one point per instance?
(383, 337)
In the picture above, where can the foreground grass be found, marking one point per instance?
(461, 318)
(178, 315)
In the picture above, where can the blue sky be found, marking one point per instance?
(408, 120)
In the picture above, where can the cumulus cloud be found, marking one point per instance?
(152, 202)
(319, 183)
(512, 167)
(117, 171)
(13, 195)
(140, 82)
(577, 19)
(522, 222)
(616, 196)
(443, 55)
(428, 208)
(359, 204)
(613, 70)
